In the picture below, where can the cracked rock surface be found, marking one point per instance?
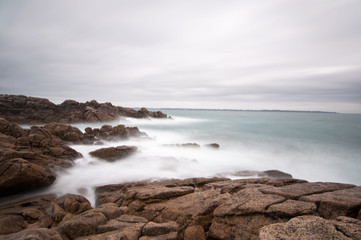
(198, 208)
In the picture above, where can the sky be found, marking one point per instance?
(271, 54)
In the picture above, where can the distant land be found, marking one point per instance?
(241, 110)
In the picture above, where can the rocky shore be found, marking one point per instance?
(32, 110)
(273, 206)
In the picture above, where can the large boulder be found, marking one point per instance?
(112, 154)
(18, 175)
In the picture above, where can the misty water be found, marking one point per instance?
(310, 146)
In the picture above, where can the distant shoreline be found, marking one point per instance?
(242, 110)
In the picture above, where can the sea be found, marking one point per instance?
(311, 146)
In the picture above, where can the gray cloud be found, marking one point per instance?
(211, 54)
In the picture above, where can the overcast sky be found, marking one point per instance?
(271, 54)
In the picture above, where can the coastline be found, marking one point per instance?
(197, 208)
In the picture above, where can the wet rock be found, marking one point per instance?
(110, 210)
(33, 234)
(65, 132)
(112, 154)
(195, 232)
(274, 174)
(345, 202)
(10, 129)
(18, 175)
(303, 227)
(212, 145)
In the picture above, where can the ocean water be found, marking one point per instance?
(310, 146)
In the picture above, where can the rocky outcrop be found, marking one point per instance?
(110, 133)
(30, 157)
(30, 110)
(112, 154)
(199, 208)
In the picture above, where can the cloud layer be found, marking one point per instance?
(275, 54)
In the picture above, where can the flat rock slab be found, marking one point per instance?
(295, 191)
(157, 193)
(247, 201)
(292, 208)
(346, 202)
(112, 154)
(302, 228)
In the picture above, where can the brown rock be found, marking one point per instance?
(168, 236)
(131, 223)
(84, 224)
(247, 201)
(156, 229)
(11, 129)
(346, 202)
(110, 210)
(11, 223)
(17, 175)
(292, 208)
(303, 227)
(350, 227)
(195, 232)
(74, 204)
(65, 132)
(114, 153)
(154, 193)
(22, 109)
(295, 191)
(274, 174)
(239, 227)
(33, 234)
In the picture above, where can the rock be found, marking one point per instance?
(247, 201)
(195, 232)
(239, 227)
(74, 204)
(303, 227)
(18, 175)
(350, 227)
(295, 191)
(11, 223)
(168, 236)
(33, 234)
(11, 129)
(156, 229)
(345, 202)
(212, 145)
(65, 132)
(112, 154)
(154, 193)
(84, 224)
(274, 174)
(30, 110)
(133, 223)
(291, 208)
(110, 210)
